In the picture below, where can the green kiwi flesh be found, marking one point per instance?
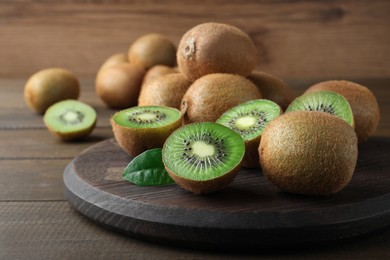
(70, 119)
(138, 129)
(324, 101)
(249, 119)
(203, 157)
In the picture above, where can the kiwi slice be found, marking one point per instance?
(249, 120)
(138, 129)
(70, 119)
(324, 101)
(203, 157)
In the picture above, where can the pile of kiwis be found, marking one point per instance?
(204, 104)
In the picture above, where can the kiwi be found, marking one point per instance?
(203, 157)
(216, 48)
(213, 94)
(49, 86)
(249, 120)
(364, 105)
(152, 49)
(157, 71)
(138, 129)
(119, 85)
(70, 119)
(324, 101)
(115, 59)
(309, 153)
(167, 90)
(273, 88)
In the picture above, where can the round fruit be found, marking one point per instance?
(364, 105)
(115, 59)
(324, 101)
(157, 71)
(152, 49)
(216, 48)
(211, 95)
(138, 129)
(119, 85)
(203, 157)
(167, 90)
(273, 88)
(49, 86)
(70, 119)
(309, 153)
(249, 120)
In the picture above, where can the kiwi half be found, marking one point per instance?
(363, 102)
(309, 153)
(70, 119)
(324, 101)
(138, 129)
(203, 157)
(249, 120)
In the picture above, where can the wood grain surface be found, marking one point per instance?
(295, 39)
(36, 222)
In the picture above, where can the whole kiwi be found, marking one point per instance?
(213, 94)
(49, 86)
(115, 59)
(119, 85)
(157, 71)
(308, 152)
(152, 49)
(363, 103)
(167, 90)
(216, 48)
(273, 88)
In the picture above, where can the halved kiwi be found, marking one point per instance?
(324, 101)
(138, 129)
(70, 119)
(203, 157)
(249, 119)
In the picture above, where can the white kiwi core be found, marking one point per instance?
(245, 122)
(147, 116)
(202, 149)
(71, 116)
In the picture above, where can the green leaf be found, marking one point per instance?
(147, 169)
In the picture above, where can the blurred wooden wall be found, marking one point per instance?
(295, 39)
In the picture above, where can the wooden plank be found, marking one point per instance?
(32, 179)
(40, 144)
(53, 230)
(295, 39)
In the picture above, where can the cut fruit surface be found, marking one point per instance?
(250, 118)
(324, 101)
(202, 151)
(69, 116)
(147, 116)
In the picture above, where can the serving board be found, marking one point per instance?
(250, 214)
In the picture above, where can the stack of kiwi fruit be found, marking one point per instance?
(204, 104)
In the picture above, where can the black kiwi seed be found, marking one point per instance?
(133, 117)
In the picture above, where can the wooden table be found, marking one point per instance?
(36, 222)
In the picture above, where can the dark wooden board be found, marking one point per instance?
(250, 214)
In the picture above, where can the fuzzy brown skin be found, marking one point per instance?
(364, 105)
(273, 88)
(167, 90)
(137, 140)
(213, 94)
(152, 49)
(309, 153)
(205, 187)
(115, 59)
(119, 85)
(157, 71)
(50, 86)
(216, 48)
